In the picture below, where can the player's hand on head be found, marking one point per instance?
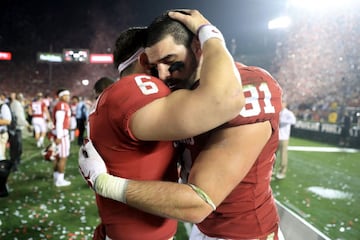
(192, 19)
(91, 165)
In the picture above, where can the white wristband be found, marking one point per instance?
(207, 31)
(111, 187)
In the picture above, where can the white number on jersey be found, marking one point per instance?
(36, 108)
(254, 101)
(147, 87)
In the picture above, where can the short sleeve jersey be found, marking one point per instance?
(62, 106)
(38, 109)
(129, 157)
(250, 207)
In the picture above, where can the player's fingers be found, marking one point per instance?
(182, 10)
(192, 19)
(179, 15)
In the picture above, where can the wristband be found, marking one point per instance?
(207, 31)
(203, 196)
(111, 187)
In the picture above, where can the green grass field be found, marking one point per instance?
(36, 209)
(336, 214)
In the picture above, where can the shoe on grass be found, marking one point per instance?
(280, 176)
(62, 183)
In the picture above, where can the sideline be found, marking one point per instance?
(322, 149)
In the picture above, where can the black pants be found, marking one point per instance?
(80, 125)
(16, 148)
(5, 166)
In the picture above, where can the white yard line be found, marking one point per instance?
(322, 149)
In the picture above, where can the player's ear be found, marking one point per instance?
(196, 47)
(144, 61)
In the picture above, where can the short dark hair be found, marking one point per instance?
(101, 84)
(127, 43)
(60, 90)
(75, 97)
(163, 25)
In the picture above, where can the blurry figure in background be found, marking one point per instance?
(333, 115)
(287, 118)
(101, 84)
(73, 126)
(39, 117)
(15, 139)
(47, 100)
(5, 120)
(81, 114)
(5, 165)
(61, 117)
(345, 130)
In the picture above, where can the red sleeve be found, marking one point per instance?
(262, 96)
(118, 102)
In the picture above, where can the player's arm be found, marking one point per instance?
(46, 113)
(30, 110)
(6, 115)
(60, 117)
(222, 164)
(185, 113)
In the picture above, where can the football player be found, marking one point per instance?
(39, 116)
(60, 134)
(127, 112)
(227, 170)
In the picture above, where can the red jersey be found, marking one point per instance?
(128, 157)
(250, 207)
(62, 106)
(38, 109)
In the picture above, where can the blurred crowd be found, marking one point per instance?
(318, 65)
(316, 61)
(31, 77)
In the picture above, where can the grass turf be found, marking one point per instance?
(36, 209)
(336, 215)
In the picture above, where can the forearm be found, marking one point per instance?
(220, 77)
(4, 122)
(166, 199)
(60, 116)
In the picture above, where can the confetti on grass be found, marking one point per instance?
(36, 209)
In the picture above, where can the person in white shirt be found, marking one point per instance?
(5, 120)
(287, 118)
(5, 164)
(15, 138)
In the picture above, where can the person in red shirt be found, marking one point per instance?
(227, 170)
(127, 142)
(61, 117)
(39, 116)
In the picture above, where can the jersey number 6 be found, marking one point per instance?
(146, 87)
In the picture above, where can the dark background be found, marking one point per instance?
(30, 26)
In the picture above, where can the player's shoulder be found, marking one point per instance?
(254, 75)
(60, 105)
(142, 84)
(138, 77)
(253, 71)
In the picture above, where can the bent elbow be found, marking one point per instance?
(197, 216)
(239, 100)
(235, 103)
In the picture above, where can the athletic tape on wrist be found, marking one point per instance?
(203, 196)
(207, 31)
(111, 187)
